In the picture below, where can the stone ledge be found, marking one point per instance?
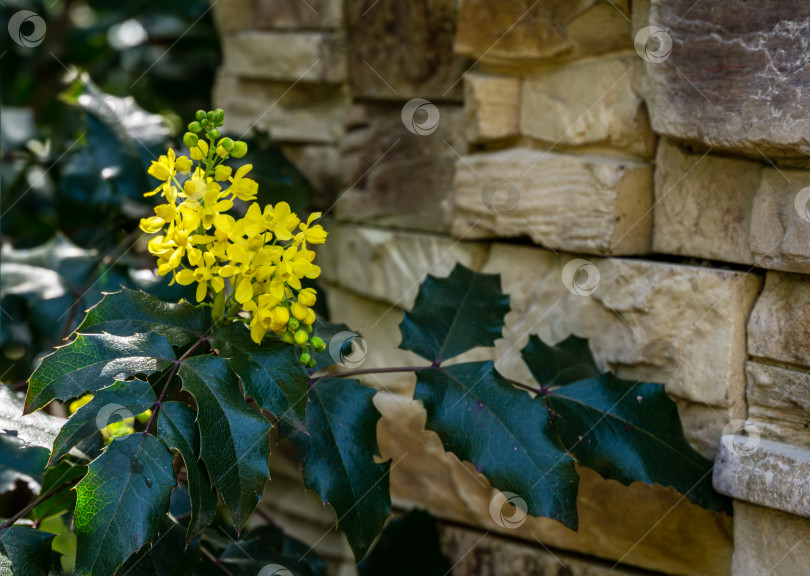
(764, 472)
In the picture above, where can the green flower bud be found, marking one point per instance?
(190, 139)
(195, 126)
(214, 133)
(305, 358)
(301, 337)
(308, 328)
(200, 114)
(288, 337)
(205, 123)
(294, 324)
(239, 149)
(318, 344)
(312, 363)
(220, 114)
(226, 143)
(211, 116)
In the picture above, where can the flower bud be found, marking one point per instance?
(220, 115)
(294, 324)
(307, 297)
(222, 152)
(307, 328)
(194, 126)
(222, 173)
(211, 116)
(301, 337)
(288, 337)
(239, 149)
(200, 114)
(226, 143)
(190, 139)
(318, 344)
(214, 133)
(305, 358)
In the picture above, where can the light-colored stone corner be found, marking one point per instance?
(779, 402)
(491, 107)
(593, 103)
(769, 542)
(564, 202)
(777, 329)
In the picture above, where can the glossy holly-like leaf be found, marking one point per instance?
(93, 361)
(167, 556)
(568, 361)
(63, 500)
(25, 552)
(20, 464)
(504, 433)
(631, 432)
(38, 429)
(270, 372)
(454, 314)
(177, 428)
(337, 456)
(120, 502)
(234, 442)
(408, 546)
(121, 400)
(131, 311)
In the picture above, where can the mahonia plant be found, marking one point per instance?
(209, 380)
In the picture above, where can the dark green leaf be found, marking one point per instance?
(20, 464)
(569, 361)
(64, 500)
(177, 428)
(121, 400)
(631, 432)
(234, 443)
(25, 552)
(454, 314)
(93, 361)
(130, 311)
(337, 456)
(32, 429)
(504, 433)
(120, 502)
(337, 337)
(168, 556)
(59, 255)
(409, 546)
(270, 373)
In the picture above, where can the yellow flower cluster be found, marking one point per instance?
(263, 255)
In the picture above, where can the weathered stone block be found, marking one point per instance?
(735, 76)
(302, 56)
(491, 107)
(593, 103)
(526, 31)
(401, 50)
(769, 542)
(703, 204)
(659, 529)
(779, 402)
(778, 328)
(298, 14)
(396, 178)
(573, 203)
(304, 113)
(232, 15)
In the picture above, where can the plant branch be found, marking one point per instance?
(36, 503)
(369, 371)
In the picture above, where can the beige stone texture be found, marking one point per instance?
(491, 107)
(768, 542)
(703, 204)
(564, 202)
(593, 103)
(779, 402)
(396, 178)
(778, 328)
(280, 56)
(233, 15)
(322, 167)
(296, 14)
(527, 32)
(304, 113)
(646, 526)
(402, 50)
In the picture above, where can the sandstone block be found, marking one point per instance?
(572, 203)
(769, 542)
(779, 402)
(301, 114)
(294, 57)
(403, 50)
(778, 328)
(491, 107)
(730, 76)
(397, 178)
(593, 103)
(232, 16)
(525, 32)
(274, 14)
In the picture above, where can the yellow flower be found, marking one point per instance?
(243, 188)
(222, 173)
(204, 275)
(200, 151)
(312, 234)
(79, 402)
(307, 296)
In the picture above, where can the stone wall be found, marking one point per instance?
(638, 174)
